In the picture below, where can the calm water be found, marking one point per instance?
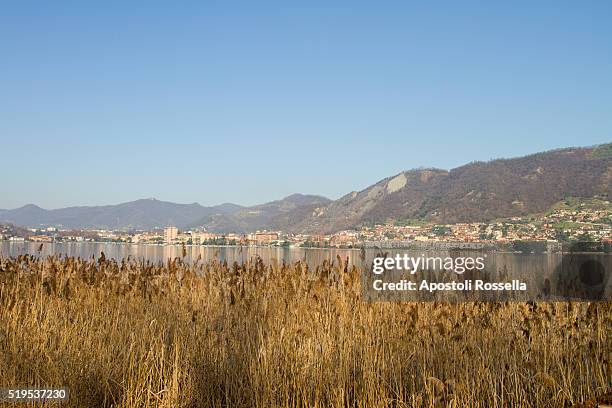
(528, 263)
(523, 264)
(161, 253)
(532, 268)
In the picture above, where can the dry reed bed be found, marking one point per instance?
(133, 333)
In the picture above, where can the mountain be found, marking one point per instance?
(272, 216)
(479, 191)
(139, 214)
(150, 213)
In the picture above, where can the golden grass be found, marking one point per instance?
(133, 334)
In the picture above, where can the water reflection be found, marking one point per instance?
(161, 253)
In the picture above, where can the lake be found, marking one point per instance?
(312, 256)
(161, 253)
(539, 270)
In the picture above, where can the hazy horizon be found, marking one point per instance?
(248, 103)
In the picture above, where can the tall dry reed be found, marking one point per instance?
(133, 334)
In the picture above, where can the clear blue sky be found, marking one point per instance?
(210, 102)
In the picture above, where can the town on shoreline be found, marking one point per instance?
(546, 232)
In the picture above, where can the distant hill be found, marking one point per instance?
(151, 213)
(272, 216)
(479, 191)
(139, 214)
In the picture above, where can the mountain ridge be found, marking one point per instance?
(140, 214)
(145, 213)
(476, 191)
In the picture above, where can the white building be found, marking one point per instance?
(170, 234)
